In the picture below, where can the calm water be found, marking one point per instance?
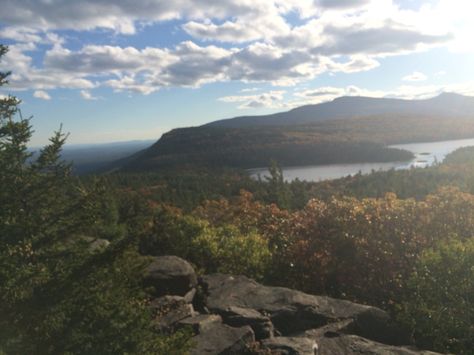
(425, 154)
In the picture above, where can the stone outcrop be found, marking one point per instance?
(353, 344)
(292, 311)
(222, 339)
(238, 315)
(170, 310)
(170, 275)
(200, 323)
(291, 345)
(260, 324)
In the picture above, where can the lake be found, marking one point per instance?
(426, 154)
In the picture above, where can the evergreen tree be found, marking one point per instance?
(59, 292)
(279, 192)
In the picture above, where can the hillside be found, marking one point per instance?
(447, 105)
(346, 130)
(213, 147)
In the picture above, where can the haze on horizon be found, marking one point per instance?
(119, 70)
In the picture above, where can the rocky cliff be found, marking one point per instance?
(236, 315)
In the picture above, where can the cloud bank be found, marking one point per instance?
(228, 40)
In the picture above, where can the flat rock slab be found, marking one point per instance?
(293, 311)
(352, 344)
(170, 275)
(345, 326)
(291, 346)
(220, 339)
(238, 317)
(200, 323)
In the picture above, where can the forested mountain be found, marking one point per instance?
(447, 105)
(348, 140)
(212, 147)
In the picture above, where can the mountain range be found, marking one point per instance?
(345, 130)
(447, 105)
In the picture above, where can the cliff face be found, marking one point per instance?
(236, 315)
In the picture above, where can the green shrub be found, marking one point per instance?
(233, 252)
(440, 303)
(211, 249)
(171, 234)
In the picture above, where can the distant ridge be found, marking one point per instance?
(448, 105)
(345, 130)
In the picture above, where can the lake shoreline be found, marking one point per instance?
(425, 154)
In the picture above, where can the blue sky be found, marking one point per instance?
(116, 70)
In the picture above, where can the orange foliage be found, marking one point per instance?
(361, 249)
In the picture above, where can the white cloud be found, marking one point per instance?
(271, 99)
(195, 66)
(414, 92)
(276, 99)
(355, 64)
(345, 36)
(26, 76)
(329, 93)
(377, 29)
(454, 16)
(341, 3)
(41, 94)
(121, 16)
(249, 90)
(95, 60)
(129, 83)
(20, 34)
(407, 92)
(87, 95)
(415, 76)
(261, 62)
(427, 91)
(322, 91)
(264, 20)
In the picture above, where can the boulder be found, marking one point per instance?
(238, 317)
(291, 346)
(169, 310)
(293, 311)
(164, 303)
(364, 326)
(170, 275)
(200, 323)
(345, 326)
(218, 338)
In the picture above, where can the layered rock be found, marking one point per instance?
(292, 311)
(219, 338)
(235, 312)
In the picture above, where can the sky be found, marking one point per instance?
(119, 70)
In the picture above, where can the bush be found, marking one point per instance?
(440, 304)
(171, 234)
(211, 249)
(233, 252)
